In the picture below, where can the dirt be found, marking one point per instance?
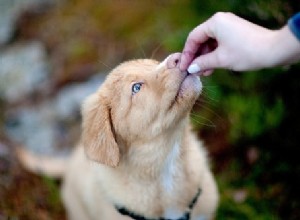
(25, 195)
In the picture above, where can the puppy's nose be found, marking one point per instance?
(173, 60)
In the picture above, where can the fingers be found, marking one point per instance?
(205, 64)
(207, 73)
(196, 37)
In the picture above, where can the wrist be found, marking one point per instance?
(266, 43)
(285, 48)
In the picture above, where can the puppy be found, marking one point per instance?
(138, 158)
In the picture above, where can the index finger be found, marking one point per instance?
(196, 37)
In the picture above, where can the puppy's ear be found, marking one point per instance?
(97, 134)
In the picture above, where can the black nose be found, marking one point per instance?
(174, 60)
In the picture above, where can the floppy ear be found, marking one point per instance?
(97, 135)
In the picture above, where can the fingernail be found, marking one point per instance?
(194, 68)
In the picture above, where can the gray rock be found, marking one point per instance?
(9, 12)
(68, 101)
(4, 150)
(33, 127)
(23, 68)
(44, 129)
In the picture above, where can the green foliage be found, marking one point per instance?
(240, 199)
(53, 198)
(248, 109)
(250, 117)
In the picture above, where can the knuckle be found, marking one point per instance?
(220, 16)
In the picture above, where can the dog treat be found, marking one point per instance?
(194, 68)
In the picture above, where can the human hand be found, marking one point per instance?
(227, 41)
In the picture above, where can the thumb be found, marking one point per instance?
(204, 62)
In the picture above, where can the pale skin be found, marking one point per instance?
(230, 42)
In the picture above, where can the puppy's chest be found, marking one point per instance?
(169, 197)
(172, 170)
(160, 204)
(166, 195)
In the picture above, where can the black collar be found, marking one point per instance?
(186, 215)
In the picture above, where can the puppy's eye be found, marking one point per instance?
(136, 87)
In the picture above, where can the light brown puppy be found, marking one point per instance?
(138, 152)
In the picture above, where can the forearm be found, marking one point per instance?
(283, 46)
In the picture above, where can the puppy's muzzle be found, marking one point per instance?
(172, 61)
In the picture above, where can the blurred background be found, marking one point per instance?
(53, 53)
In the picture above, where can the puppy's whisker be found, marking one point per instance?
(155, 50)
(202, 120)
(209, 89)
(209, 97)
(210, 86)
(105, 64)
(141, 49)
(203, 101)
(211, 111)
(204, 124)
(207, 103)
(199, 122)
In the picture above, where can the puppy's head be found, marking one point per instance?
(139, 100)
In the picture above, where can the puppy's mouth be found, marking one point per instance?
(186, 74)
(180, 90)
(185, 86)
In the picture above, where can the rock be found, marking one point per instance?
(23, 69)
(33, 128)
(69, 99)
(9, 12)
(3, 150)
(46, 128)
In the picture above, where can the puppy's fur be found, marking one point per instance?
(137, 148)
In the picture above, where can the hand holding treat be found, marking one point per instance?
(228, 41)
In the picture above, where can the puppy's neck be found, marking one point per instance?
(161, 166)
(159, 158)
